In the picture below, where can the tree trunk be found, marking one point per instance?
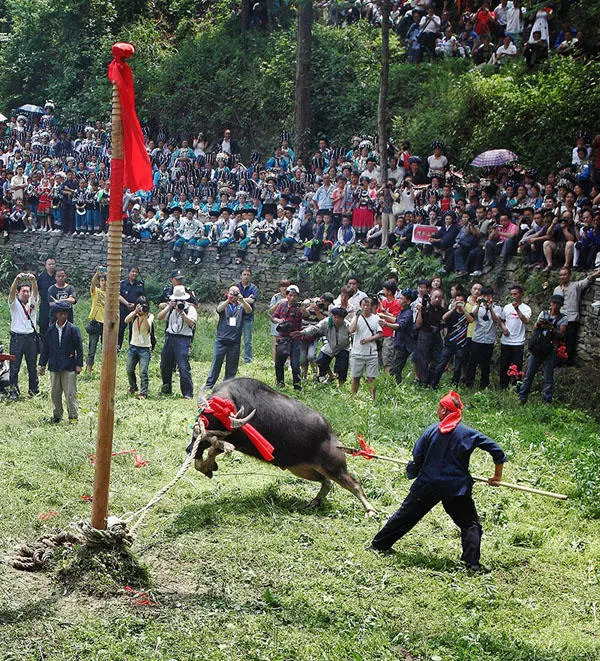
(246, 8)
(383, 129)
(303, 77)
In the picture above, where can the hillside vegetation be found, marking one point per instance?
(197, 70)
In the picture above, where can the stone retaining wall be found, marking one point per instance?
(81, 255)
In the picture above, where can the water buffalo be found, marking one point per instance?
(304, 442)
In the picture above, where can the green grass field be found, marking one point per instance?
(241, 567)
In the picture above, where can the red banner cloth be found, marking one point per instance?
(367, 451)
(222, 408)
(135, 168)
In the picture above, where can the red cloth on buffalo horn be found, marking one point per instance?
(223, 408)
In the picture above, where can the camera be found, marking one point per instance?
(145, 307)
(425, 302)
(181, 305)
(481, 300)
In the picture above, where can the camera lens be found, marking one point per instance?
(180, 305)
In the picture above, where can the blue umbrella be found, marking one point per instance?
(493, 158)
(34, 110)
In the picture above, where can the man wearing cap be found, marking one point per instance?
(550, 328)
(175, 279)
(440, 465)
(248, 291)
(229, 335)
(62, 352)
(288, 317)
(336, 343)
(181, 319)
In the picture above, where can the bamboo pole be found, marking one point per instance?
(507, 485)
(106, 409)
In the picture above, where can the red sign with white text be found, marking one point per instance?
(423, 233)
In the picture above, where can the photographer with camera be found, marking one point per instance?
(23, 301)
(456, 320)
(487, 316)
(141, 343)
(95, 325)
(288, 316)
(550, 328)
(366, 330)
(336, 344)
(229, 335)
(428, 322)
(501, 241)
(181, 319)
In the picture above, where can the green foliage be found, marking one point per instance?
(535, 114)
(8, 269)
(371, 267)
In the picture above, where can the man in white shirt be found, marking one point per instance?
(354, 300)
(140, 321)
(430, 25)
(366, 330)
(514, 319)
(23, 301)
(181, 320)
(506, 50)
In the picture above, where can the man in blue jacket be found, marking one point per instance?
(441, 467)
(62, 351)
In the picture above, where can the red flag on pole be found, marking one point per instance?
(133, 171)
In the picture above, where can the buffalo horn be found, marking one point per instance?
(237, 423)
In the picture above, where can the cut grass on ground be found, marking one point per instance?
(241, 567)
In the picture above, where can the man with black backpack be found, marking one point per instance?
(550, 328)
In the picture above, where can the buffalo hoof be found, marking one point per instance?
(315, 503)
(371, 514)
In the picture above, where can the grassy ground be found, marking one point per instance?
(243, 570)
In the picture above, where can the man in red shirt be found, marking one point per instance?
(388, 310)
(501, 241)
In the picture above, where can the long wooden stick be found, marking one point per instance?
(106, 409)
(508, 485)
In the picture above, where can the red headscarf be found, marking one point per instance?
(453, 418)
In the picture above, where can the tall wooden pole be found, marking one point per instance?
(106, 409)
(302, 114)
(382, 114)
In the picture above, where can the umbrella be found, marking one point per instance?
(493, 158)
(29, 107)
(3, 118)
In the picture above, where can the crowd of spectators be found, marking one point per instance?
(419, 328)
(487, 32)
(56, 180)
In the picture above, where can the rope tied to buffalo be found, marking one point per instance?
(36, 556)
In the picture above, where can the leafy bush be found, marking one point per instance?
(371, 268)
(534, 114)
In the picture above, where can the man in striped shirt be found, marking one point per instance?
(456, 321)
